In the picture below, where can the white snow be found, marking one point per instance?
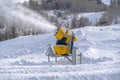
(93, 17)
(107, 2)
(20, 1)
(24, 58)
(66, 19)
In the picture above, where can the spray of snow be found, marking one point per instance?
(15, 14)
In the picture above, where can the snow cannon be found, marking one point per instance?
(65, 39)
(64, 47)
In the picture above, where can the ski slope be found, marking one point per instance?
(78, 72)
(24, 58)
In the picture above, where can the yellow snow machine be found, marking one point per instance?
(64, 45)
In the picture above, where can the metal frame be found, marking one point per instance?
(50, 53)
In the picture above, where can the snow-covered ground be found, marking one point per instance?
(24, 58)
(66, 18)
(107, 2)
(93, 17)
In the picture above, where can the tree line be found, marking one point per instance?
(69, 5)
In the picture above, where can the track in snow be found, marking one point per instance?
(98, 71)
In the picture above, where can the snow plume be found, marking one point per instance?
(16, 15)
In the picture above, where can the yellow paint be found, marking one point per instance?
(59, 33)
(61, 50)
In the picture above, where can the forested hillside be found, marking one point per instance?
(68, 13)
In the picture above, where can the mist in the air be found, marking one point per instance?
(12, 13)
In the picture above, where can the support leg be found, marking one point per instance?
(80, 58)
(56, 59)
(48, 58)
(68, 58)
(74, 60)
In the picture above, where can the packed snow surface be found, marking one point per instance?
(24, 58)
